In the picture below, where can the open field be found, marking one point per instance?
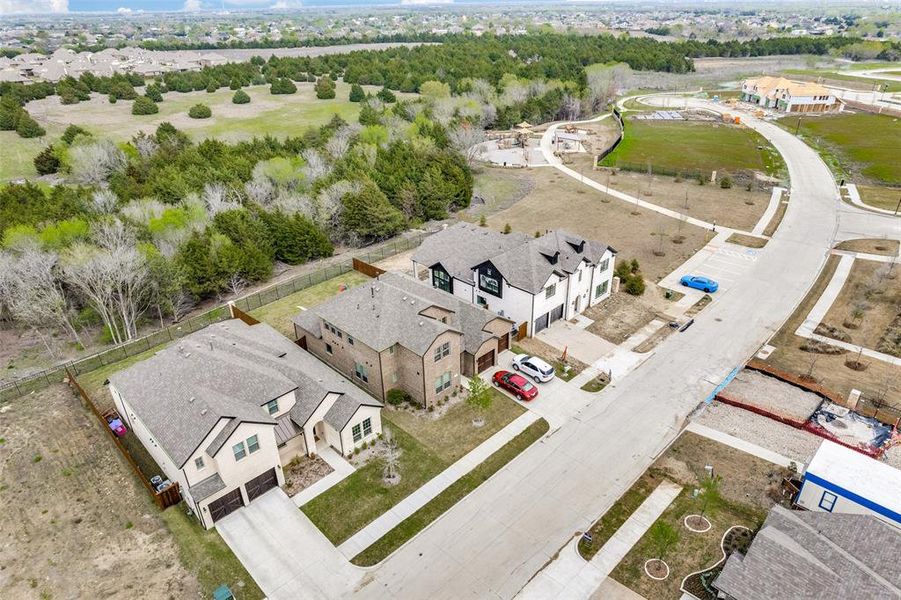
(865, 145)
(879, 380)
(886, 198)
(557, 201)
(694, 146)
(426, 446)
(735, 207)
(827, 77)
(416, 522)
(76, 520)
(875, 289)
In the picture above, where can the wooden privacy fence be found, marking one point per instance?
(276, 291)
(165, 498)
(367, 269)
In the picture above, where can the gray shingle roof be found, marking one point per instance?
(229, 370)
(207, 487)
(525, 262)
(816, 555)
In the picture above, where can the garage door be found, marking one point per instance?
(503, 343)
(541, 322)
(261, 484)
(485, 361)
(557, 313)
(226, 504)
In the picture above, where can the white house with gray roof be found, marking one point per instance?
(223, 409)
(532, 281)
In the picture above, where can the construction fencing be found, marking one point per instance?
(277, 291)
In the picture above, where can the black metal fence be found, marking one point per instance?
(277, 291)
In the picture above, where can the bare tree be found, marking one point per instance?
(392, 456)
(31, 290)
(467, 140)
(104, 201)
(571, 108)
(317, 165)
(94, 163)
(146, 145)
(236, 284)
(261, 190)
(338, 145)
(328, 208)
(218, 198)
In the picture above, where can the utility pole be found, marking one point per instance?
(897, 208)
(798, 128)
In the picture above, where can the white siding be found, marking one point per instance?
(364, 412)
(599, 276)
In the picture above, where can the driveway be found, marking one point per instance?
(288, 557)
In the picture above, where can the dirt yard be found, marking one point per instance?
(735, 207)
(559, 201)
(868, 246)
(619, 316)
(880, 381)
(76, 524)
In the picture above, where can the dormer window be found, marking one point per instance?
(272, 406)
(198, 463)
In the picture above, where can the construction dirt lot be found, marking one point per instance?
(880, 381)
(735, 207)
(75, 522)
(557, 201)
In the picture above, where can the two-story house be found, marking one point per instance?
(532, 281)
(223, 409)
(397, 333)
(789, 96)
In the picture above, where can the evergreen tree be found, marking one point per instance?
(369, 214)
(325, 88)
(356, 93)
(200, 111)
(27, 127)
(240, 97)
(144, 106)
(46, 162)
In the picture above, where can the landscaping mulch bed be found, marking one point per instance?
(304, 471)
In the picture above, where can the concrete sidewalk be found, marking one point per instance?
(772, 207)
(409, 505)
(740, 444)
(854, 196)
(570, 577)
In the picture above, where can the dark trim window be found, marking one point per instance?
(357, 433)
(550, 290)
(441, 280)
(481, 301)
(272, 406)
(360, 372)
(601, 289)
(367, 427)
(827, 501)
(328, 349)
(198, 463)
(443, 382)
(442, 351)
(350, 340)
(605, 264)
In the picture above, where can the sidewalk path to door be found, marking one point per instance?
(570, 577)
(409, 505)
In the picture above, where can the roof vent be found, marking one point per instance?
(187, 354)
(420, 323)
(191, 399)
(202, 411)
(404, 298)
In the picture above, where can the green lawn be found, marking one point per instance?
(880, 197)
(838, 78)
(279, 313)
(416, 522)
(205, 553)
(863, 143)
(425, 451)
(693, 146)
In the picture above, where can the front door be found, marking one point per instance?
(261, 484)
(577, 304)
(227, 504)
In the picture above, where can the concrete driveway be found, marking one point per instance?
(288, 557)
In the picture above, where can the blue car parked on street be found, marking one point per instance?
(705, 284)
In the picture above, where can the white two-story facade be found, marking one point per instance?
(225, 408)
(532, 281)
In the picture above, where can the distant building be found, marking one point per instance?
(800, 554)
(842, 480)
(789, 96)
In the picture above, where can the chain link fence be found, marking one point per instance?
(57, 374)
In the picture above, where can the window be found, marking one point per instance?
(350, 340)
(357, 432)
(442, 351)
(490, 284)
(605, 265)
(253, 444)
(198, 463)
(580, 274)
(360, 372)
(239, 451)
(272, 407)
(391, 350)
(328, 349)
(827, 501)
(481, 301)
(367, 427)
(442, 383)
(601, 289)
(441, 280)
(550, 290)
(338, 333)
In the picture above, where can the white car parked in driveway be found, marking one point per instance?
(534, 367)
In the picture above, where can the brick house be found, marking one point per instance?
(396, 332)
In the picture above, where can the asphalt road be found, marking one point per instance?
(492, 542)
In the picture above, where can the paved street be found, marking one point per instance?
(491, 543)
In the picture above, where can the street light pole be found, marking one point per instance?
(897, 208)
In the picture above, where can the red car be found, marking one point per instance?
(517, 385)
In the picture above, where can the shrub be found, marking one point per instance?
(212, 87)
(507, 228)
(396, 397)
(144, 106)
(483, 221)
(726, 182)
(46, 162)
(154, 93)
(200, 111)
(282, 85)
(325, 88)
(356, 93)
(386, 96)
(241, 97)
(635, 285)
(71, 132)
(112, 99)
(701, 179)
(28, 127)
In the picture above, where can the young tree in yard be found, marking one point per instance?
(325, 88)
(479, 398)
(662, 536)
(710, 499)
(392, 456)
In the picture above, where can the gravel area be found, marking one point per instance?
(786, 440)
(893, 456)
(773, 395)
